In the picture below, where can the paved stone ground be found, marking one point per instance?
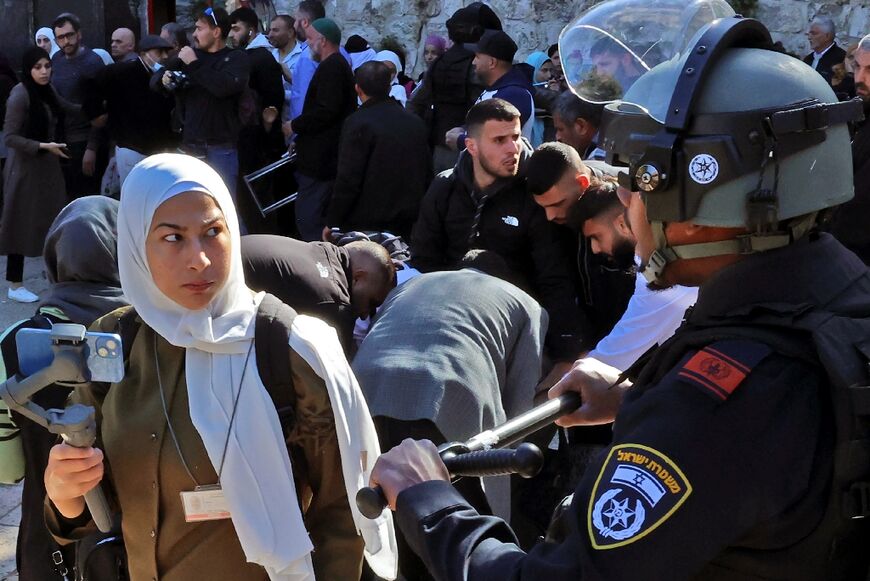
(10, 496)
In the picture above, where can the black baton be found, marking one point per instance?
(481, 456)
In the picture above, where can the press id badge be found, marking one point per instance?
(205, 503)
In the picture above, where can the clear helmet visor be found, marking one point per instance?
(612, 45)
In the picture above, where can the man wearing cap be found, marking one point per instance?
(138, 118)
(493, 65)
(328, 102)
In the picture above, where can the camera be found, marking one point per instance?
(177, 80)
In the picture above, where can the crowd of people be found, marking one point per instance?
(457, 249)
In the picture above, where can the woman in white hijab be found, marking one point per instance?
(45, 40)
(195, 456)
(392, 61)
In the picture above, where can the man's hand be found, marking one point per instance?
(560, 368)
(452, 136)
(187, 55)
(89, 162)
(411, 462)
(270, 114)
(287, 129)
(327, 234)
(288, 75)
(592, 379)
(166, 79)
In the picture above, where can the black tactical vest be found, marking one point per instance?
(838, 546)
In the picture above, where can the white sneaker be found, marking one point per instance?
(21, 295)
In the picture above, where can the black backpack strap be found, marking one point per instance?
(272, 344)
(128, 328)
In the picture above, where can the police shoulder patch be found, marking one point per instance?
(637, 490)
(718, 369)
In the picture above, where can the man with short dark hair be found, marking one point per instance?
(335, 283)
(123, 46)
(139, 120)
(286, 50)
(825, 52)
(651, 317)
(74, 66)
(260, 138)
(303, 71)
(384, 164)
(329, 101)
(557, 179)
(482, 203)
(576, 122)
(213, 78)
(613, 62)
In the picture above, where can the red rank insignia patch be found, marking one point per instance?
(715, 371)
(721, 367)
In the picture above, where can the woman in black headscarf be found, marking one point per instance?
(81, 261)
(33, 186)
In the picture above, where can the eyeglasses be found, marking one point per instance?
(210, 12)
(67, 36)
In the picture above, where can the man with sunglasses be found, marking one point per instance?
(211, 81)
(73, 67)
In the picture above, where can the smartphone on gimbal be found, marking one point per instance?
(102, 352)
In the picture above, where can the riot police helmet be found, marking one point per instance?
(713, 125)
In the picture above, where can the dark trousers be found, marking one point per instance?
(391, 432)
(15, 268)
(314, 196)
(77, 183)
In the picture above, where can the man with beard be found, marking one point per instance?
(303, 70)
(849, 223)
(557, 179)
(493, 67)
(613, 61)
(286, 50)
(74, 66)
(212, 80)
(330, 99)
(482, 204)
(652, 316)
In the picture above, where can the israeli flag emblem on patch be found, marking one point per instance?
(637, 490)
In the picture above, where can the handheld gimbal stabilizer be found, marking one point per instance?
(77, 423)
(481, 456)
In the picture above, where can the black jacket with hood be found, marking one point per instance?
(513, 226)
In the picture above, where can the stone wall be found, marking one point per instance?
(535, 24)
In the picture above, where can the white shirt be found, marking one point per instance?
(651, 317)
(817, 56)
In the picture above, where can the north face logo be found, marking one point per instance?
(510, 221)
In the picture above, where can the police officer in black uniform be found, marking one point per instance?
(740, 451)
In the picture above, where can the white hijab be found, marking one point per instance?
(48, 33)
(257, 477)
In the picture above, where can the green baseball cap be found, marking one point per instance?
(329, 29)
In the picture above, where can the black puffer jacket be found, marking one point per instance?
(513, 226)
